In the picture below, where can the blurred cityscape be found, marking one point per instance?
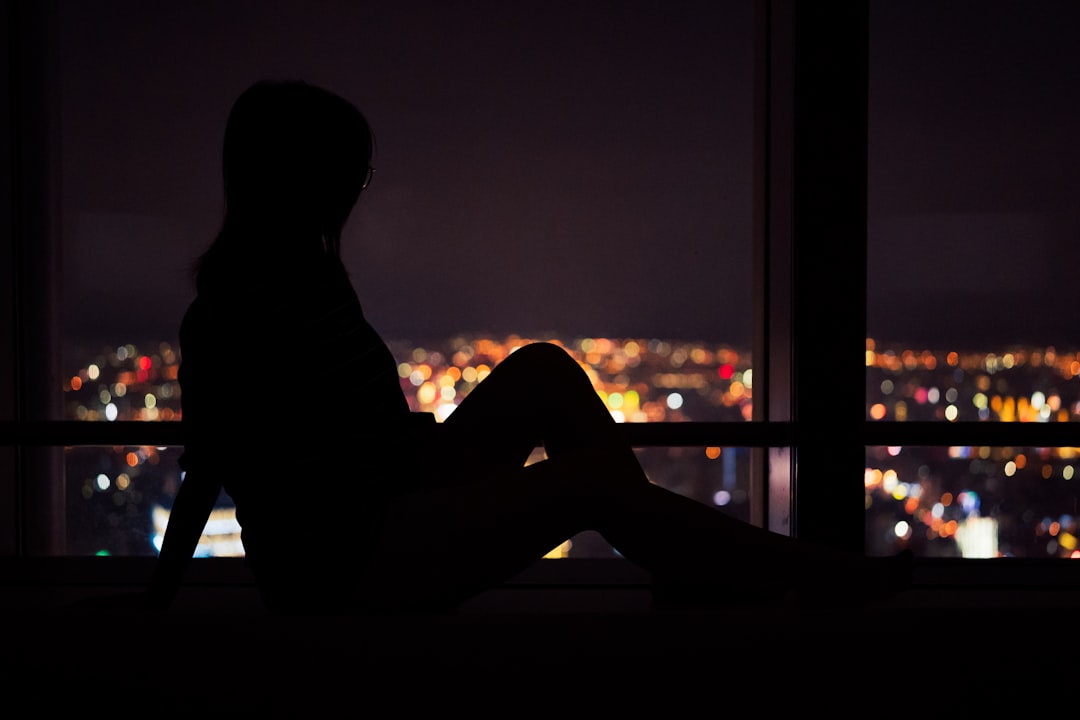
(948, 501)
(972, 501)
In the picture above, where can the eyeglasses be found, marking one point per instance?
(367, 178)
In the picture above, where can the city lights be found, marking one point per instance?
(945, 501)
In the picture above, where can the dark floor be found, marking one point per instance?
(575, 637)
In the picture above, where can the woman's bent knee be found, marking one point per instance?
(541, 359)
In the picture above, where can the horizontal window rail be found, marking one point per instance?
(990, 434)
(673, 434)
(75, 432)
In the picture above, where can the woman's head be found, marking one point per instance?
(295, 159)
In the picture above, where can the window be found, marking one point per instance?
(515, 168)
(814, 120)
(971, 241)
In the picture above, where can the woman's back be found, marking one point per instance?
(293, 360)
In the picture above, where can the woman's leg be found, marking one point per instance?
(483, 516)
(444, 546)
(539, 396)
(497, 517)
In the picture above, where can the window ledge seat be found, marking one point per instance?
(564, 631)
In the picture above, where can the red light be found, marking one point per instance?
(144, 362)
(726, 371)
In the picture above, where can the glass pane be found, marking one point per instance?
(118, 497)
(571, 172)
(973, 501)
(973, 166)
(576, 171)
(972, 231)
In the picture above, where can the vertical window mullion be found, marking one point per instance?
(33, 480)
(8, 319)
(829, 269)
(772, 228)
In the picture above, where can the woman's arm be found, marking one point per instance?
(196, 498)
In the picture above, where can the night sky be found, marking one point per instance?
(577, 167)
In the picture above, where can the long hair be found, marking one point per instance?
(295, 158)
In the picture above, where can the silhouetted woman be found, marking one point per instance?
(347, 500)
